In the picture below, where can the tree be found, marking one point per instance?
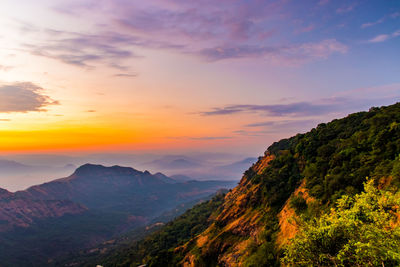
(363, 230)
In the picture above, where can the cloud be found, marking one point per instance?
(384, 37)
(23, 97)
(5, 120)
(126, 75)
(269, 127)
(205, 138)
(292, 109)
(281, 124)
(323, 2)
(346, 9)
(214, 32)
(202, 138)
(370, 24)
(291, 54)
(379, 38)
(381, 20)
(395, 15)
(342, 103)
(84, 50)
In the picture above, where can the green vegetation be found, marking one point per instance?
(41, 243)
(158, 248)
(362, 231)
(298, 203)
(334, 159)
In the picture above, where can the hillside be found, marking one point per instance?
(22, 212)
(297, 181)
(93, 205)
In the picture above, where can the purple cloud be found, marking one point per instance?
(23, 97)
(269, 127)
(84, 50)
(344, 103)
(126, 75)
(210, 30)
(293, 109)
(281, 124)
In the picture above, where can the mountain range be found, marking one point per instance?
(90, 206)
(18, 172)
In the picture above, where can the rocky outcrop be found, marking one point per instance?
(236, 229)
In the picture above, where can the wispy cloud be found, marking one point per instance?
(381, 20)
(205, 138)
(126, 75)
(23, 97)
(280, 124)
(323, 2)
(84, 50)
(370, 24)
(341, 103)
(384, 37)
(379, 38)
(201, 138)
(227, 30)
(270, 127)
(291, 54)
(292, 109)
(346, 9)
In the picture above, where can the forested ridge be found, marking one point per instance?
(299, 192)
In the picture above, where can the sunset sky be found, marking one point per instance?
(221, 75)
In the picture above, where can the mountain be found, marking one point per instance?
(233, 170)
(22, 212)
(10, 166)
(123, 189)
(329, 197)
(174, 162)
(94, 204)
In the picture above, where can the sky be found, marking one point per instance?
(181, 75)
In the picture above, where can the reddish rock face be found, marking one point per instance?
(22, 212)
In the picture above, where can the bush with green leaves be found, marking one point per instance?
(362, 230)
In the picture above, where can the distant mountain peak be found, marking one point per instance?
(89, 169)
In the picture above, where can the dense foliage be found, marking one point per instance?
(158, 248)
(336, 157)
(362, 231)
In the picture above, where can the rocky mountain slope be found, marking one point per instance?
(22, 212)
(297, 180)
